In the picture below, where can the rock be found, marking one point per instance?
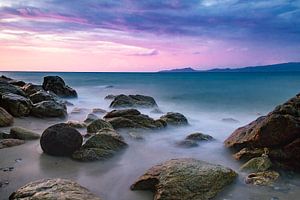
(101, 146)
(53, 189)
(16, 105)
(41, 96)
(5, 143)
(23, 134)
(262, 178)
(49, 109)
(57, 85)
(133, 101)
(277, 131)
(30, 88)
(187, 143)
(175, 119)
(76, 124)
(90, 117)
(60, 140)
(258, 164)
(248, 153)
(157, 111)
(5, 118)
(199, 137)
(110, 97)
(9, 88)
(97, 125)
(76, 110)
(135, 135)
(230, 120)
(99, 111)
(131, 118)
(17, 83)
(185, 178)
(4, 135)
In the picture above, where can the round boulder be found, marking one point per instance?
(60, 140)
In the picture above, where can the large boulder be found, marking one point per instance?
(57, 85)
(49, 109)
(174, 119)
(279, 131)
(133, 101)
(47, 189)
(6, 87)
(101, 146)
(5, 118)
(185, 178)
(16, 105)
(97, 125)
(23, 134)
(40, 96)
(60, 140)
(131, 118)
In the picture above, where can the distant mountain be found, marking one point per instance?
(282, 67)
(187, 69)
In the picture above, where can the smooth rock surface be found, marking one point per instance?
(5, 118)
(23, 134)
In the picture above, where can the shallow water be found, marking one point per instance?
(205, 98)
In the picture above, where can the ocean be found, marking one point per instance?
(206, 99)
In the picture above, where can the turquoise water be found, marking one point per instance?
(204, 98)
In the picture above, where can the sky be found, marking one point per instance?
(146, 35)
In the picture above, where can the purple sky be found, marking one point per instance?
(148, 35)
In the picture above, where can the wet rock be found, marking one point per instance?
(23, 134)
(101, 146)
(49, 109)
(53, 189)
(30, 88)
(41, 96)
(97, 125)
(5, 118)
(174, 119)
(277, 131)
(60, 140)
(76, 124)
(57, 85)
(187, 143)
(5, 87)
(248, 153)
(110, 97)
(230, 120)
(16, 105)
(4, 135)
(5, 143)
(90, 117)
(133, 101)
(258, 164)
(131, 118)
(199, 137)
(185, 178)
(17, 83)
(99, 111)
(262, 178)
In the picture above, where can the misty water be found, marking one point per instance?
(204, 98)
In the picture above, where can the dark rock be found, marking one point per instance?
(279, 131)
(49, 109)
(97, 125)
(90, 118)
(175, 119)
(52, 189)
(99, 110)
(185, 178)
(265, 178)
(258, 164)
(133, 101)
(4, 135)
(57, 85)
(5, 143)
(16, 105)
(187, 143)
(76, 124)
(9, 88)
(122, 113)
(23, 134)
(110, 97)
(41, 96)
(101, 146)
(60, 140)
(248, 153)
(5, 118)
(199, 137)
(17, 83)
(30, 88)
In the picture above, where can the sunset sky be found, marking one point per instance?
(148, 35)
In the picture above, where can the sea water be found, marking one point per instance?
(206, 99)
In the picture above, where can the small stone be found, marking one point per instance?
(262, 178)
(258, 164)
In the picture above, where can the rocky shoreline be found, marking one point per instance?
(265, 145)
